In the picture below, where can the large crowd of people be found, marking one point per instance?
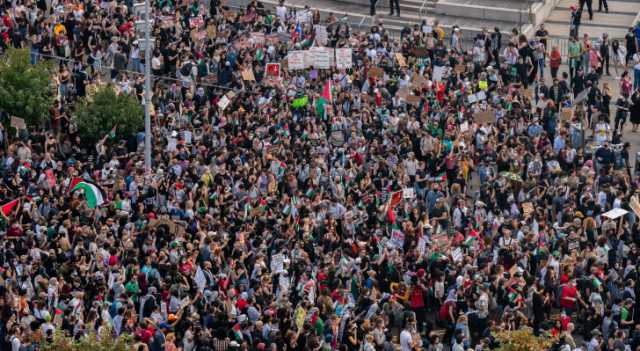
(438, 188)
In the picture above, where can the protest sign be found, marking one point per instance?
(408, 193)
(420, 52)
(418, 81)
(18, 123)
(413, 100)
(440, 242)
(527, 209)
(488, 116)
(344, 58)
(461, 68)
(172, 144)
(257, 38)
(277, 263)
(273, 71)
(196, 22)
(438, 72)
(567, 114)
(225, 100)
(211, 31)
(401, 60)
(397, 239)
(456, 255)
(615, 213)
(483, 84)
(321, 34)
(296, 60)
(402, 93)
(319, 58)
(247, 74)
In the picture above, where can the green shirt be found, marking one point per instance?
(575, 48)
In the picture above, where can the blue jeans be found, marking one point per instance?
(34, 56)
(636, 79)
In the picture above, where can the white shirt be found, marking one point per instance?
(15, 343)
(281, 11)
(405, 340)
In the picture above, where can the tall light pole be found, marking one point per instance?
(147, 87)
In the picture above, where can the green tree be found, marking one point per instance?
(98, 114)
(89, 342)
(522, 339)
(25, 89)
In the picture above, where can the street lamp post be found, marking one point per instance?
(147, 86)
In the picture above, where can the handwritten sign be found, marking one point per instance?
(438, 72)
(402, 93)
(397, 239)
(418, 81)
(296, 60)
(420, 52)
(401, 60)
(257, 38)
(321, 34)
(441, 242)
(457, 255)
(408, 193)
(196, 22)
(344, 58)
(567, 114)
(247, 74)
(485, 116)
(615, 213)
(277, 263)
(527, 209)
(18, 123)
(413, 100)
(319, 58)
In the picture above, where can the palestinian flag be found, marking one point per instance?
(112, 132)
(93, 193)
(9, 207)
(325, 98)
(237, 332)
(260, 54)
(394, 200)
(264, 206)
(310, 193)
(470, 240)
(596, 282)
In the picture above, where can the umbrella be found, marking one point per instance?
(511, 175)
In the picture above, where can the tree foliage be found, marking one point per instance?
(97, 114)
(89, 342)
(522, 339)
(25, 89)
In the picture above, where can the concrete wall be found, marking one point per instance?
(536, 14)
(452, 8)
